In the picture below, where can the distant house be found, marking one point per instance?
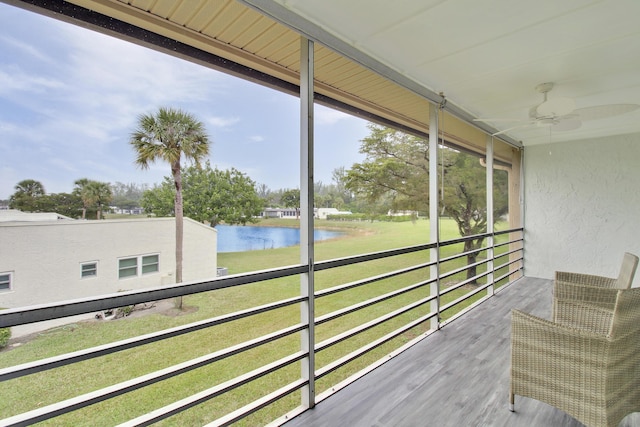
(281, 213)
(322, 213)
(402, 213)
(43, 261)
(123, 211)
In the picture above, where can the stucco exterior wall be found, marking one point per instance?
(45, 258)
(582, 201)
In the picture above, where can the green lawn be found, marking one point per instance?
(362, 237)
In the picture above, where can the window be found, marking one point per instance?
(136, 266)
(128, 267)
(5, 282)
(89, 269)
(149, 264)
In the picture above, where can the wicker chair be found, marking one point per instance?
(596, 307)
(589, 369)
(623, 281)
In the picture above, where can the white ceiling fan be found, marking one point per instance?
(561, 113)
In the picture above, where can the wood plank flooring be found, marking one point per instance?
(458, 376)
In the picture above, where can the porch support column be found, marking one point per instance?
(490, 219)
(307, 312)
(434, 253)
(515, 209)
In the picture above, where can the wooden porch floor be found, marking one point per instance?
(458, 376)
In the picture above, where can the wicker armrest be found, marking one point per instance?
(586, 279)
(537, 339)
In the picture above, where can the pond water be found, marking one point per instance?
(239, 238)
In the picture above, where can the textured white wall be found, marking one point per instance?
(45, 257)
(582, 205)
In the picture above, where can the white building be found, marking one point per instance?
(323, 213)
(56, 260)
(281, 213)
(123, 211)
(320, 213)
(14, 215)
(402, 213)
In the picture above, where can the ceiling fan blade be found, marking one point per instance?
(512, 128)
(566, 124)
(497, 120)
(604, 111)
(556, 107)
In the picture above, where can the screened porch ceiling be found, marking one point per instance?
(390, 61)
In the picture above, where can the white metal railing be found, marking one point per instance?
(506, 265)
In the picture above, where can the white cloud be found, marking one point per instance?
(7, 127)
(63, 164)
(104, 62)
(12, 132)
(12, 78)
(328, 116)
(223, 122)
(24, 48)
(110, 82)
(70, 97)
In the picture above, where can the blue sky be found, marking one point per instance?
(70, 98)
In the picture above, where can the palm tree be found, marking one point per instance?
(100, 193)
(30, 187)
(168, 135)
(81, 190)
(27, 195)
(93, 193)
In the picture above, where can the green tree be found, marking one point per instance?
(94, 194)
(80, 189)
(291, 199)
(210, 195)
(397, 167)
(341, 195)
(214, 196)
(465, 199)
(169, 135)
(63, 203)
(26, 198)
(127, 196)
(100, 193)
(160, 200)
(265, 194)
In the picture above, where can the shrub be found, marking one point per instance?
(372, 217)
(124, 311)
(5, 334)
(347, 217)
